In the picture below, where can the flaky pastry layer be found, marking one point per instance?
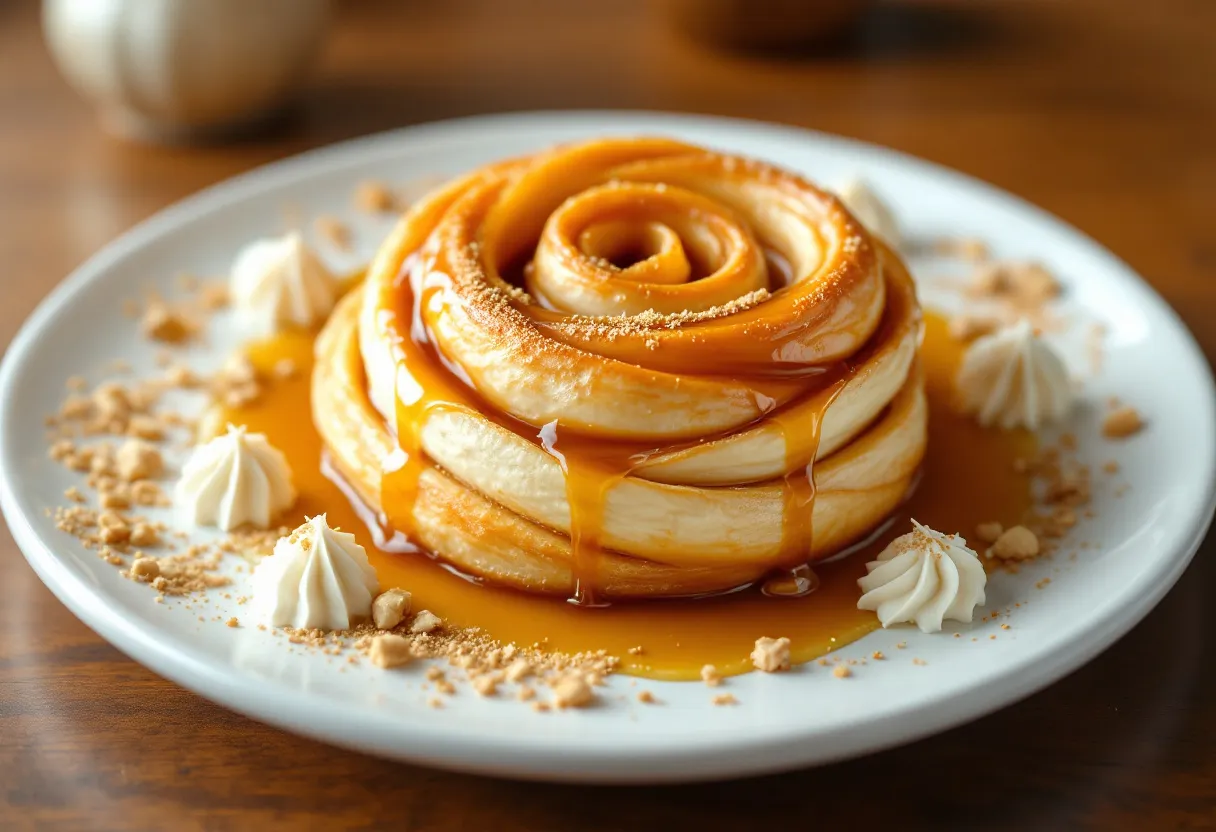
(635, 344)
(858, 487)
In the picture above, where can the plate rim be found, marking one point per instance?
(539, 760)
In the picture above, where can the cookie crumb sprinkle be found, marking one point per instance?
(425, 622)
(388, 651)
(374, 198)
(145, 569)
(1016, 543)
(989, 532)
(485, 685)
(390, 607)
(771, 654)
(161, 323)
(572, 691)
(1121, 423)
(334, 231)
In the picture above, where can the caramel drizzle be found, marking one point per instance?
(718, 631)
(587, 487)
(795, 577)
(422, 385)
(426, 382)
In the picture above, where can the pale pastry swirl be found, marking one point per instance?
(607, 369)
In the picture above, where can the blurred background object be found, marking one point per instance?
(184, 69)
(766, 24)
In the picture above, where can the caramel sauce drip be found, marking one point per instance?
(591, 465)
(587, 484)
(968, 478)
(423, 385)
(723, 285)
(798, 497)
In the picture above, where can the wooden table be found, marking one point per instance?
(1103, 112)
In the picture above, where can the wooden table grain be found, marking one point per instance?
(1101, 111)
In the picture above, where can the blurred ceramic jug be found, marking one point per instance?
(184, 69)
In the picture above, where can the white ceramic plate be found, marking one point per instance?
(784, 720)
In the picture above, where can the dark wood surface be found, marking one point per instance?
(1103, 112)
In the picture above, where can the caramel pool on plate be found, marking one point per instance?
(968, 478)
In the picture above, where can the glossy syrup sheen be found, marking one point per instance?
(968, 478)
(593, 465)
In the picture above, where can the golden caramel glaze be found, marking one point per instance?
(634, 351)
(862, 482)
(968, 478)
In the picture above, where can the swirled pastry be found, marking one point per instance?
(626, 368)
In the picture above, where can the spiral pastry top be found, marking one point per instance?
(628, 367)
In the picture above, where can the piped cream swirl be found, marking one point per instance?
(279, 283)
(924, 577)
(1013, 378)
(317, 577)
(236, 478)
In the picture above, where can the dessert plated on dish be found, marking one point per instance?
(671, 384)
(296, 568)
(620, 397)
(627, 368)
